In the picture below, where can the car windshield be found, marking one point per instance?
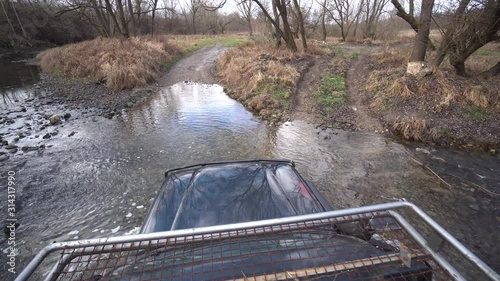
(230, 193)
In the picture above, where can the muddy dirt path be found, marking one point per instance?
(349, 61)
(356, 93)
(198, 67)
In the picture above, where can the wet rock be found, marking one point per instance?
(21, 135)
(4, 142)
(10, 146)
(474, 207)
(29, 148)
(71, 134)
(14, 150)
(16, 139)
(67, 115)
(110, 115)
(423, 150)
(3, 158)
(54, 133)
(54, 119)
(46, 136)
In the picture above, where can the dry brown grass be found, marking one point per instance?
(414, 129)
(245, 67)
(391, 58)
(399, 88)
(123, 64)
(260, 74)
(478, 95)
(441, 90)
(316, 49)
(385, 85)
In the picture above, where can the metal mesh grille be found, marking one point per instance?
(310, 250)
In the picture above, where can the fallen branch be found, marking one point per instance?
(483, 189)
(429, 169)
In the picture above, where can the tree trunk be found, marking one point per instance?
(123, 20)
(132, 18)
(422, 37)
(279, 10)
(301, 24)
(277, 30)
(445, 44)
(100, 17)
(459, 66)
(323, 23)
(411, 20)
(250, 29)
(193, 22)
(155, 3)
(112, 15)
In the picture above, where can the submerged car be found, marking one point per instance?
(255, 220)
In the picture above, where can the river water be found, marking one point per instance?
(100, 181)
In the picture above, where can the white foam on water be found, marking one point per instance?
(115, 230)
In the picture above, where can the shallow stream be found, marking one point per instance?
(97, 177)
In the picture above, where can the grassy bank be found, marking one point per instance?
(264, 78)
(442, 108)
(124, 64)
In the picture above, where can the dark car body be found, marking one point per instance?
(243, 191)
(231, 192)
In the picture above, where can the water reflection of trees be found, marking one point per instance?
(240, 193)
(9, 97)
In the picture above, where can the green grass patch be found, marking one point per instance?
(488, 53)
(475, 113)
(331, 92)
(277, 89)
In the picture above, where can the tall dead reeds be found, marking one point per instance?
(123, 64)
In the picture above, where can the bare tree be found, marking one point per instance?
(246, 9)
(323, 20)
(474, 24)
(280, 11)
(373, 11)
(344, 14)
(420, 44)
(194, 7)
(300, 19)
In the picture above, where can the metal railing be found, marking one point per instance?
(276, 249)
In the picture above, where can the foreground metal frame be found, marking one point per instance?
(190, 234)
